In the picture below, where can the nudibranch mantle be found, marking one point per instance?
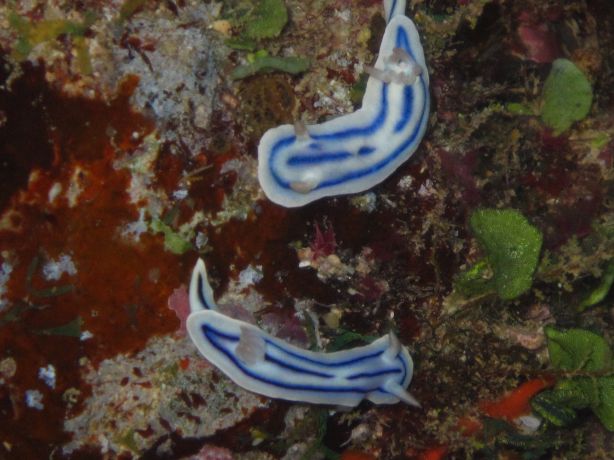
(259, 362)
(298, 164)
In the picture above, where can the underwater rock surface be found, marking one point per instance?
(127, 152)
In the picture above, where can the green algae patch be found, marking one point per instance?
(30, 34)
(173, 241)
(578, 349)
(475, 281)
(588, 355)
(347, 338)
(129, 8)
(267, 20)
(518, 108)
(601, 291)
(268, 64)
(357, 91)
(512, 246)
(241, 43)
(567, 96)
(70, 329)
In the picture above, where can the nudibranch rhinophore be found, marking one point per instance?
(259, 362)
(298, 164)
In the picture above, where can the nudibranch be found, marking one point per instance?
(259, 362)
(298, 164)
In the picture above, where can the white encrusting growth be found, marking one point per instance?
(298, 164)
(34, 399)
(259, 362)
(47, 375)
(55, 268)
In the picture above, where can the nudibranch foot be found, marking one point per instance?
(259, 362)
(352, 153)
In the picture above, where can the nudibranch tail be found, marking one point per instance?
(401, 393)
(393, 8)
(259, 362)
(354, 152)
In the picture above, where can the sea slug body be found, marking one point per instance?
(259, 362)
(352, 153)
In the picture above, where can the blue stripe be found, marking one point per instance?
(374, 374)
(348, 362)
(315, 362)
(297, 369)
(394, 5)
(364, 150)
(375, 125)
(396, 153)
(201, 294)
(402, 41)
(408, 101)
(340, 135)
(308, 159)
(210, 335)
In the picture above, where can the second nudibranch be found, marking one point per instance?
(259, 362)
(352, 153)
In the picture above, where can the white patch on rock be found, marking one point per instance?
(528, 424)
(34, 399)
(54, 269)
(134, 230)
(250, 276)
(54, 192)
(47, 375)
(5, 274)
(75, 188)
(85, 335)
(175, 390)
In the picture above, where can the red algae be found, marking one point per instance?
(111, 292)
(434, 453)
(355, 455)
(515, 403)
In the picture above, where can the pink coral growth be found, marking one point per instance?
(324, 243)
(285, 325)
(179, 302)
(210, 452)
(371, 289)
(540, 42)
(607, 156)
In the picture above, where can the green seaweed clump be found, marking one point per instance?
(587, 358)
(512, 247)
(173, 241)
(601, 291)
(267, 20)
(70, 329)
(267, 64)
(567, 96)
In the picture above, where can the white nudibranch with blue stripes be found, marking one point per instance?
(352, 153)
(259, 362)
